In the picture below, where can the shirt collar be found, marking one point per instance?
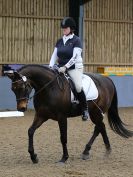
(65, 38)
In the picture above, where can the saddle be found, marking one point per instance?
(89, 87)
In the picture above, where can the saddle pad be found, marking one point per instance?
(89, 88)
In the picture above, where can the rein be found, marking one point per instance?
(46, 85)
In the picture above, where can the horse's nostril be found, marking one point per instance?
(22, 109)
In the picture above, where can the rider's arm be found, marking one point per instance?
(76, 55)
(54, 58)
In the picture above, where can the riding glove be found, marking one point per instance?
(62, 69)
(50, 67)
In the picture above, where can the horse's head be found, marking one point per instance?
(21, 88)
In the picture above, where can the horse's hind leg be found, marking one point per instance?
(105, 138)
(85, 154)
(36, 124)
(99, 128)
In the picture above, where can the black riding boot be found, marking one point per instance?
(83, 102)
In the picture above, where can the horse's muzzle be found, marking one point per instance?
(22, 109)
(22, 105)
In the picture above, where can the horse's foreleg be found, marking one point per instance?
(85, 154)
(36, 124)
(63, 137)
(33, 156)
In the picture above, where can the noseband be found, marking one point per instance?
(26, 84)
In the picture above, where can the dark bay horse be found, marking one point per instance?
(52, 101)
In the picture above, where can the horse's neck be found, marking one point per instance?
(38, 77)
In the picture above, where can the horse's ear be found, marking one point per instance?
(9, 73)
(13, 75)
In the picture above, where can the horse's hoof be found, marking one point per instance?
(108, 152)
(35, 159)
(85, 156)
(63, 159)
(60, 163)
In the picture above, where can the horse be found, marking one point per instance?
(52, 100)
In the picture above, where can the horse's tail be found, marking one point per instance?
(114, 119)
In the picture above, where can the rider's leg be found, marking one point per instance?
(76, 76)
(83, 102)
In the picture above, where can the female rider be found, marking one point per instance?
(67, 53)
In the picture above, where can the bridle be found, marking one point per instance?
(26, 83)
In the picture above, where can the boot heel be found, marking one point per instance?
(85, 116)
(84, 106)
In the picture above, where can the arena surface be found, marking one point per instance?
(15, 161)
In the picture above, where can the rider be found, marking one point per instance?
(67, 53)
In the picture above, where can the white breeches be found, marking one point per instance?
(76, 76)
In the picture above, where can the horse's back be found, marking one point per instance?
(101, 81)
(105, 86)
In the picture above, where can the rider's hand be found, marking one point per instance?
(62, 69)
(50, 67)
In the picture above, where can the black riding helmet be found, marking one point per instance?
(68, 22)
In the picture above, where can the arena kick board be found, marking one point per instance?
(11, 114)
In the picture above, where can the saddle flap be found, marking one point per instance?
(89, 87)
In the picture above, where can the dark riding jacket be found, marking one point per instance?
(65, 51)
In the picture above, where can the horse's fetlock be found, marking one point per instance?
(87, 147)
(31, 131)
(31, 151)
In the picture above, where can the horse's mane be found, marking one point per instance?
(36, 69)
(34, 65)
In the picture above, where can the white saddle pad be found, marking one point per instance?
(89, 88)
